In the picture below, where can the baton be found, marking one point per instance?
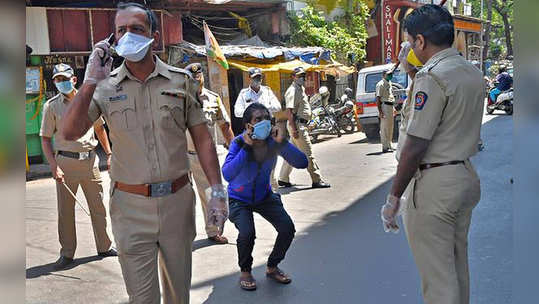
(76, 200)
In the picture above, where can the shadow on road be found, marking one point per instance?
(329, 261)
(203, 243)
(46, 269)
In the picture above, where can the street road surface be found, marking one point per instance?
(340, 253)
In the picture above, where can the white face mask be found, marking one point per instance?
(133, 47)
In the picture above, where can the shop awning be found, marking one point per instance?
(334, 68)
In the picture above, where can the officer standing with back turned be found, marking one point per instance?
(441, 136)
(149, 106)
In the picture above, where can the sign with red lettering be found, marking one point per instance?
(388, 34)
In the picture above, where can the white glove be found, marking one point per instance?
(389, 213)
(217, 206)
(403, 54)
(99, 63)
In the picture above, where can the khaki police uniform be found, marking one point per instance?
(384, 91)
(297, 100)
(215, 113)
(448, 101)
(148, 122)
(79, 169)
(406, 112)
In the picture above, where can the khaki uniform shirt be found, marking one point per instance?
(448, 107)
(214, 111)
(385, 91)
(147, 128)
(297, 100)
(53, 111)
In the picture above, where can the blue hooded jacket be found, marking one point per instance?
(249, 180)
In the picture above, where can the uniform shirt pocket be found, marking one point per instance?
(123, 114)
(172, 111)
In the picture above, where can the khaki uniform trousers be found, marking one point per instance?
(386, 126)
(201, 184)
(86, 174)
(437, 221)
(303, 143)
(147, 227)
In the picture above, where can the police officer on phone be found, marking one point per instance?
(149, 106)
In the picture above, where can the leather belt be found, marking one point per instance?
(389, 103)
(434, 165)
(76, 155)
(155, 189)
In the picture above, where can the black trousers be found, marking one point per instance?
(241, 214)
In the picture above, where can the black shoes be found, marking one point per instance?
(321, 185)
(109, 253)
(389, 150)
(284, 184)
(62, 263)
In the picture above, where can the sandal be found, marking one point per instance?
(279, 276)
(248, 283)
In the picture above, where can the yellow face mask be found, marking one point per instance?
(413, 60)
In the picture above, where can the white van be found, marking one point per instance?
(366, 108)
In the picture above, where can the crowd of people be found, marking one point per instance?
(162, 124)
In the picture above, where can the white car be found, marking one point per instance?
(366, 108)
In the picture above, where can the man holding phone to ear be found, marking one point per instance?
(149, 106)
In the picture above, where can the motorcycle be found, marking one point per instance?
(503, 102)
(344, 116)
(323, 122)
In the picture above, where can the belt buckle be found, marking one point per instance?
(160, 189)
(84, 155)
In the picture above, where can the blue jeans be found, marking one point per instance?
(241, 214)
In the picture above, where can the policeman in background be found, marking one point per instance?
(256, 92)
(75, 163)
(385, 102)
(149, 106)
(216, 114)
(444, 187)
(299, 114)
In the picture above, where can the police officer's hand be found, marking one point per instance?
(381, 115)
(295, 133)
(217, 206)
(109, 157)
(278, 134)
(57, 174)
(99, 63)
(389, 214)
(403, 54)
(247, 135)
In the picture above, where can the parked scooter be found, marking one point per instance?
(503, 102)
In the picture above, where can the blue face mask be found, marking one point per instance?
(261, 130)
(65, 87)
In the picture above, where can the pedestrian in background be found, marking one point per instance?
(385, 101)
(299, 114)
(74, 163)
(148, 106)
(442, 135)
(247, 167)
(216, 114)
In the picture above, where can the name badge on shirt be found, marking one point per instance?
(118, 98)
